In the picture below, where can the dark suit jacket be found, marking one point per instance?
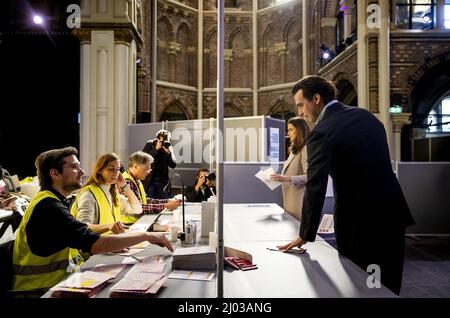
(350, 144)
(160, 166)
(193, 196)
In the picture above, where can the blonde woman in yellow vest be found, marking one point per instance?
(99, 203)
(48, 233)
(139, 166)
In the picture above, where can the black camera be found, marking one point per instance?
(211, 176)
(166, 144)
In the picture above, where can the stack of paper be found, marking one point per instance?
(144, 279)
(86, 284)
(195, 258)
(112, 269)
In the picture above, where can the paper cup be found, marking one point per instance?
(173, 230)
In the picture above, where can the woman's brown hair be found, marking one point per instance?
(97, 179)
(302, 134)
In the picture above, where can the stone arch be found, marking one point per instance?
(184, 60)
(184, 33)
(163, 21)
(282, 110)
(422, 69)
(230, 110)
(210, 60)
(165, 34)
(428, 90)
(287, 28)
(268, 33)
(174, 111)
(236, 33)
(346, 92)
(239, 72)
(270, 61)
(293, 65)
(212, 33)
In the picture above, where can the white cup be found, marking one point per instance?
(173, 230)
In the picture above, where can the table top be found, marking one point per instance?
(320, 272)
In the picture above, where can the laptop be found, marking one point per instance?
(150, 228)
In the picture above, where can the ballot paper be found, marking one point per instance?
(111, 269)
(143, 279)
(86, 284)
(87, 280)
(192, 275)
(327, 224)
(264, 176)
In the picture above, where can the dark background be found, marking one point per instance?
(39, 83)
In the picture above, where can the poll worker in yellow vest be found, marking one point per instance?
(139, 167)
(99, 203)
(293, 175)
(48, 235)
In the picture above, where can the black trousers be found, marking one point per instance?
(385, 249)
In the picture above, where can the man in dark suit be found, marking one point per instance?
(370, 211)
(204, 186)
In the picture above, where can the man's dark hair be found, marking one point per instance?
(202, 170)
(312, 84)
(51, 159)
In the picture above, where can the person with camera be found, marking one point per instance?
(203, 188)
(161, 151)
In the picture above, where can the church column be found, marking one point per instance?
(228, 56)
(347, 22)
(305, 37)
(124, 83)
(172, 50)
(200, 61)
(384, 71)
(398, 121)
(255, 56)
(86, 117)
(281, 49)
(362, 55)
(108, 77)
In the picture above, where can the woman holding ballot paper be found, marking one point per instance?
(293, 175)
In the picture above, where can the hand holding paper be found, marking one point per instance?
(264, 176)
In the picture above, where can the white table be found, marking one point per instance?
(321, 272)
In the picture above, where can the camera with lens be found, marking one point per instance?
(211, 176)
(166, 144)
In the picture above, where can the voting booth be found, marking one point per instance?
(250, 143)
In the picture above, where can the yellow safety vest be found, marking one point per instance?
(108, 214)
(130, 219)
(36, 272)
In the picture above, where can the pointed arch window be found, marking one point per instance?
(173, 112)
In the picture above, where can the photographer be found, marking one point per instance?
(204, 187)
(161, 150)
